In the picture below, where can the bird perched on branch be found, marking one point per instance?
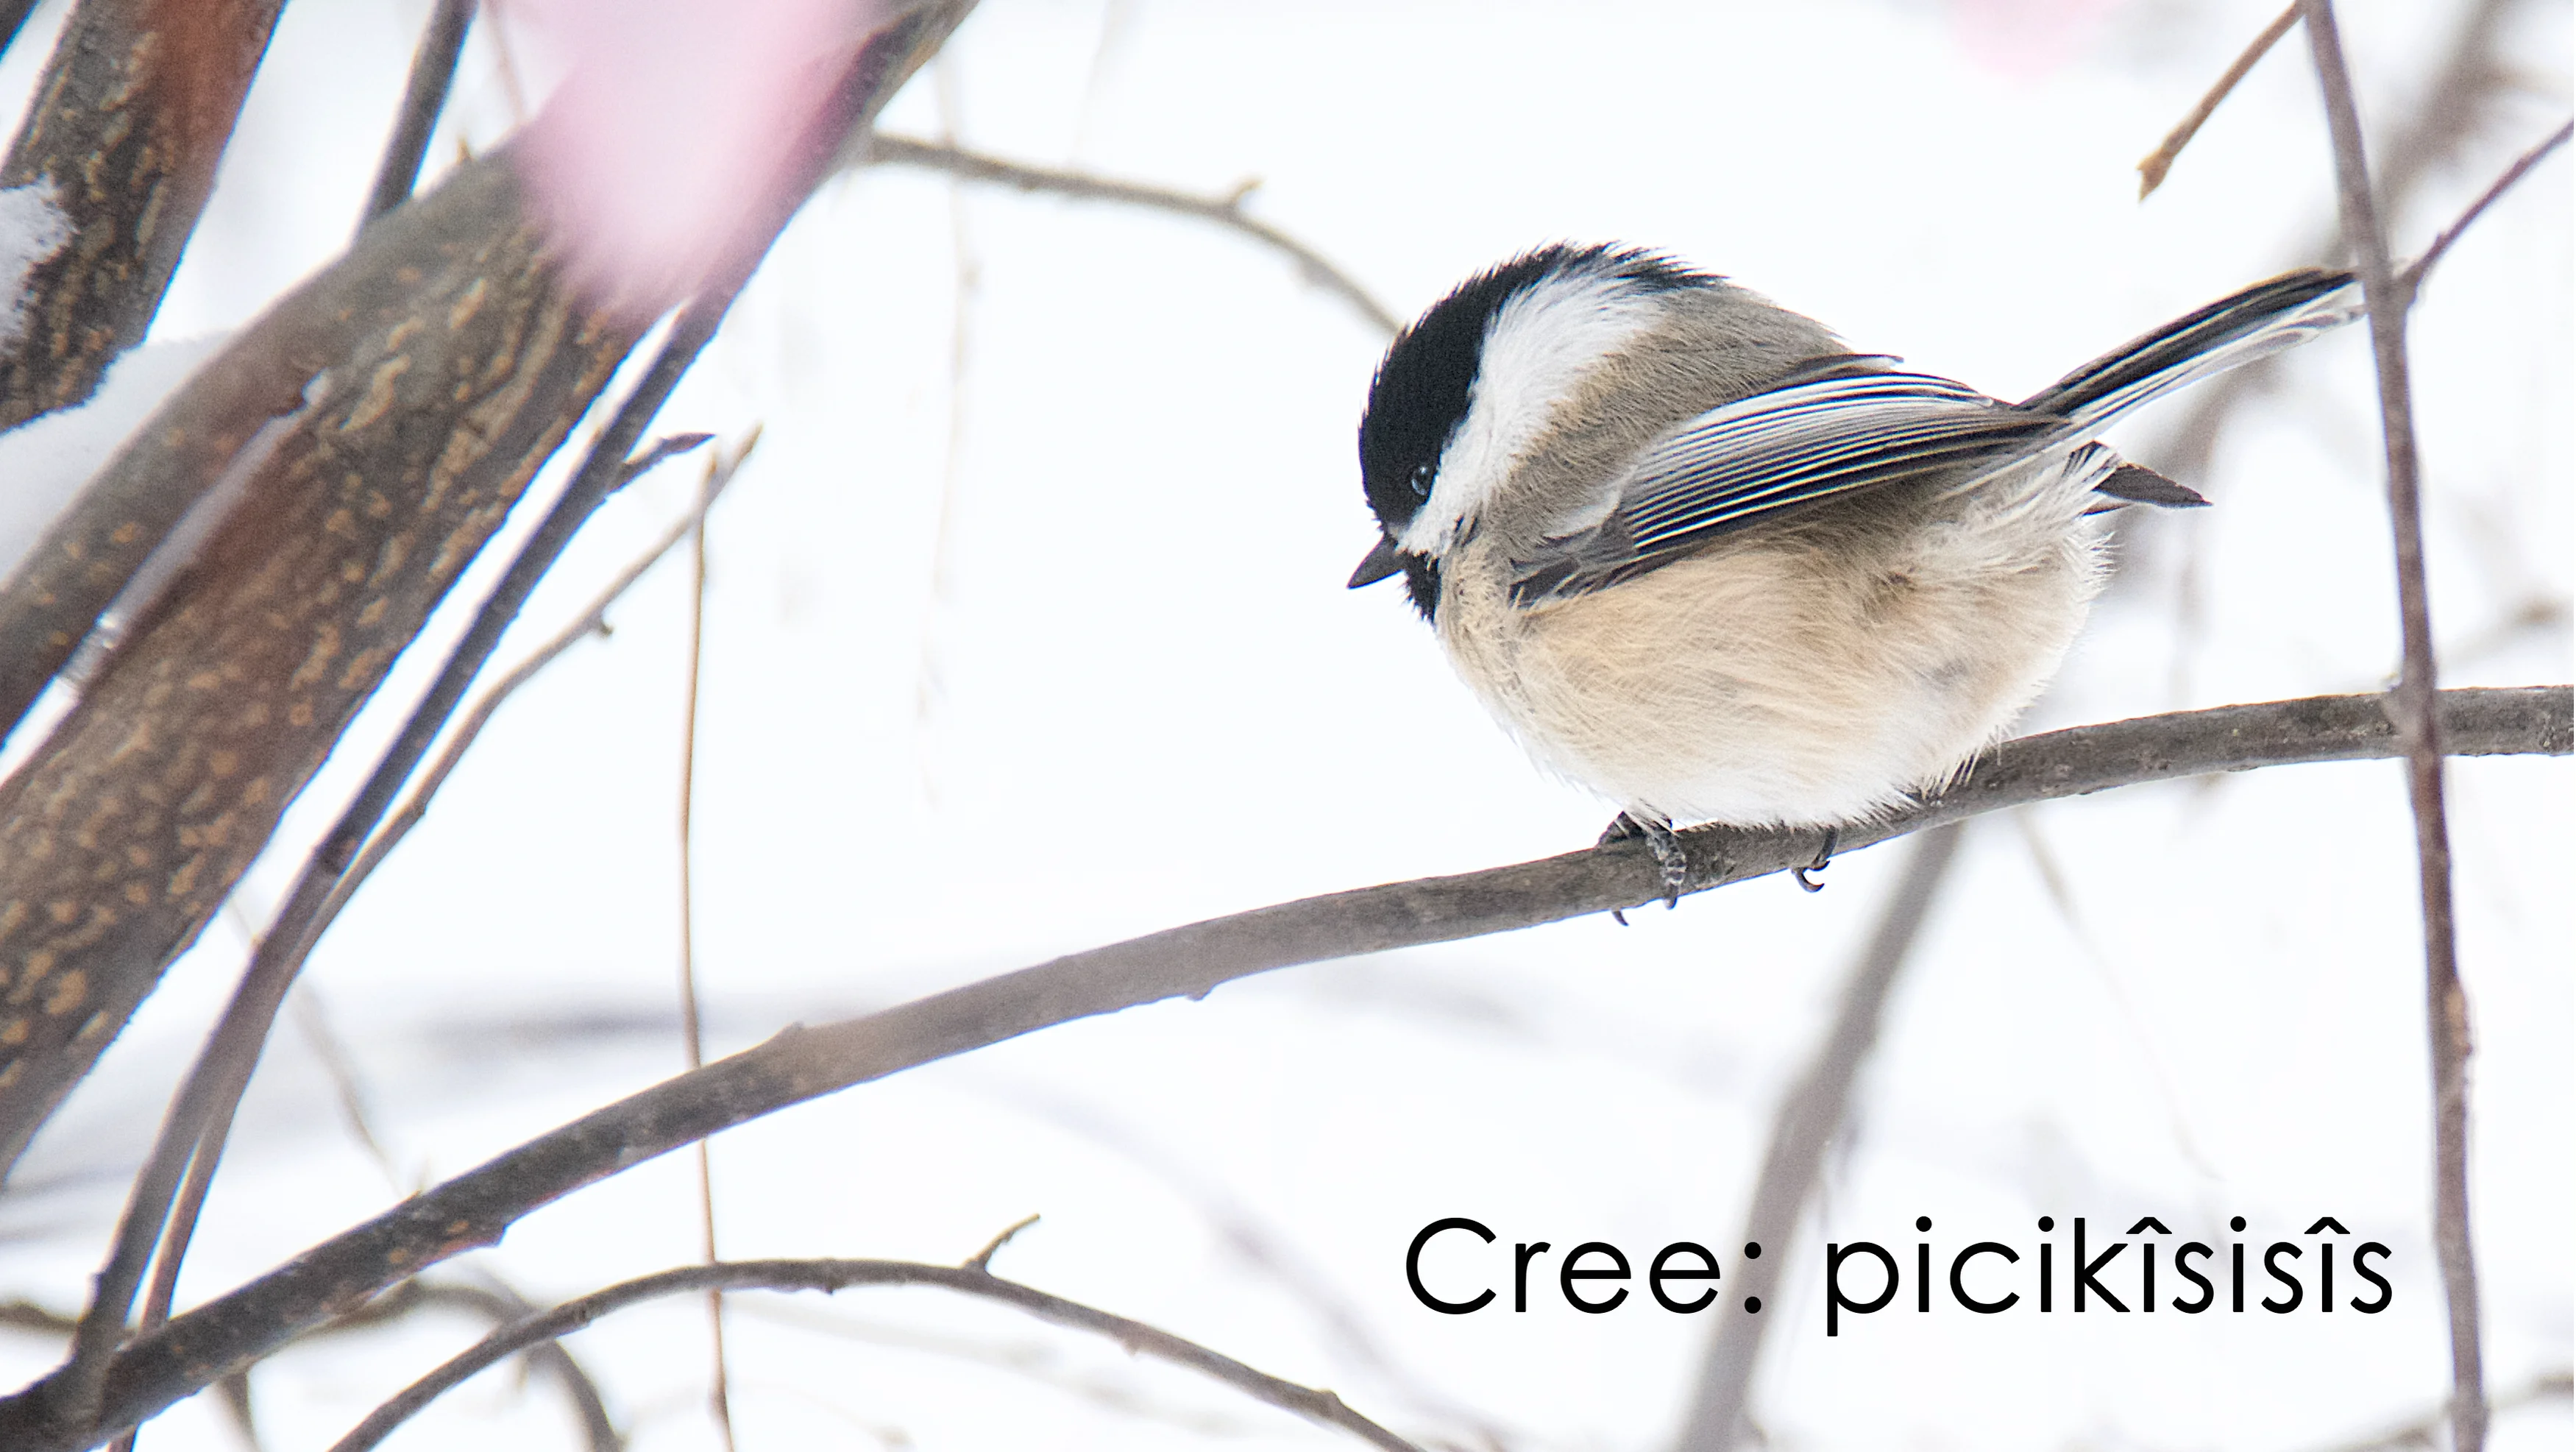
(1701, 559)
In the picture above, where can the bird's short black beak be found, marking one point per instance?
(1383, 561)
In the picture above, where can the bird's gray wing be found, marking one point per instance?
(1831, 427)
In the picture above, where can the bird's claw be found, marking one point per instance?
(1824, 859)
(1671, 862)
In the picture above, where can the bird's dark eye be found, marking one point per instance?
(1421, 480)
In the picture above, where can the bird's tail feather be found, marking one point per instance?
(2262, 320)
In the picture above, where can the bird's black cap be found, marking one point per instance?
(1428, 378)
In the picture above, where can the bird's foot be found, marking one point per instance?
(1670, 861)
(1824, 859)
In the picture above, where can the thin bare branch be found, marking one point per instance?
(28, 1316)
(504, 1307)
(1316, 1405)
(1809, 1118)
(2151, 171)
(692, 1031)
(499, 1305)
(328, 1049)
(433, 71)
(2413, 277)
(1227, 211)
(2411, 709)
(800, 1063)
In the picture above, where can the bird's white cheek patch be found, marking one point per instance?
(1539, 348)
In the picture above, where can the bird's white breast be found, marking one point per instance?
(1810, 672)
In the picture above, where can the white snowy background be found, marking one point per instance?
(1026, 632)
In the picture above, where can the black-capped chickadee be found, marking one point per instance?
(1701, 559)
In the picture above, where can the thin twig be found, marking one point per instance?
(496, 1304)
(1809, 1118)
(1314, 1404)
(881, 149)
(333, 1055)
(800, 1063)
(2411, 709)
(2151, 171)
(2061, 896)
(2410, 279)
(692, 1032)
(589, 622)
(235, 1391)
(433, 71)
(503, 1306)
(23, 1315)
(982, 1260)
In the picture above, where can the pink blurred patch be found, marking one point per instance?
(2028, 38)
(652, 163)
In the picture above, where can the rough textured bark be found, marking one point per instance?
(128, 122)
(87, 555)
(460, 366)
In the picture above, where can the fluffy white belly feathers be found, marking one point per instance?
(1798, 676)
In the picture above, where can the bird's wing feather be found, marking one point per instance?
(1850, 421)
(1833, 426)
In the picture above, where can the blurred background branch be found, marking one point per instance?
(1315, 1405)
(878, 149)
